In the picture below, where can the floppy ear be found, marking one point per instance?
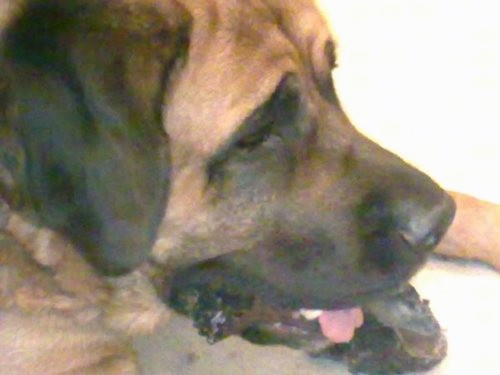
(83, 107)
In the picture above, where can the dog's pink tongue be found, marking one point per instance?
(339, 325)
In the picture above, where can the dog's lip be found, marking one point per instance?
(356, 299)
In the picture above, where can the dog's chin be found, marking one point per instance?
(390, 331)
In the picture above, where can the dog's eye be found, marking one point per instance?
(263, 123)
(274, 118)
(255, 139)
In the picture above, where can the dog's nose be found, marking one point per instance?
(422, 227)
(417, 218)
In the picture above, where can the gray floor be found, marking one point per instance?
(179, 350)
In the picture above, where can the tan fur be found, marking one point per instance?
(58, 317)
(220, 81)
(50, 250)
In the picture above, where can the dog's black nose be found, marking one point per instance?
(421, 226)
(398, 227)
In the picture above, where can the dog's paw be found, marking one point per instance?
(134, 307)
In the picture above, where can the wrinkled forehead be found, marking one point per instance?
(239, 51)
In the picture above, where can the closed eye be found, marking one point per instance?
(275, 119)
(260, 128)
(271, 118)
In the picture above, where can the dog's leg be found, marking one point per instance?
(51, 250)
(46, 330)
(52, 343)
(57, 316)
(129, 302)
(475, 232)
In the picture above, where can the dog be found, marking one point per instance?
(141, 136)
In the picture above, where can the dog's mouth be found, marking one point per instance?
(218, 314)
(385, 334)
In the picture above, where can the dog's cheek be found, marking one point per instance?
(230, 208)
(255, 175)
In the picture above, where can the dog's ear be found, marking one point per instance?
(84, 100)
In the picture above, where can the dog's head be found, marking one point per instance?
(233, 103)
(268, 170)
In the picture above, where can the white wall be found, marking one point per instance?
(422, 77)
